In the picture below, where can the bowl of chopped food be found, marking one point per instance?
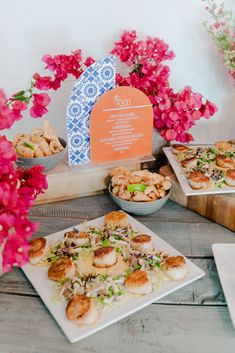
(140, 192)
(42, 146)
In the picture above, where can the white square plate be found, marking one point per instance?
(224, 255)
(179, 172)
(46, 290)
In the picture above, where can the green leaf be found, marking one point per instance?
(20, 98)
(20, 93)
(75, 257)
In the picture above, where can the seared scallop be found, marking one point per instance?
(223, 146)
(197, 181)
(104, 257)
(175, 267)
(36, 250)
(82, 310)
(142, 243)
(76, 238)
(189, 163)
(230, 177)
(116, 219)
(177, 148)
(61, 269)
(224, 161)
(138, 282)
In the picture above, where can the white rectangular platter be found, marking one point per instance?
(224, 255)
(46, 290)
(179, 172)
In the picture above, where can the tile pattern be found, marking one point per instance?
(96, 80)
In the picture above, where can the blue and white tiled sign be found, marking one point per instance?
(96, 80)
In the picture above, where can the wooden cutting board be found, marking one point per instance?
(220, 208)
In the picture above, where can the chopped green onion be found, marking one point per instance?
(137, 267)
(105, 242)
(120, 291)
(136, 187)
(119, 250)
(111, 291)
(103, 277)
(127, 271)
(117, 237)
(52, 258)
(26, 144)
(63, 281)
(102, 301)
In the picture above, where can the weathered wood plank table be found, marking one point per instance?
(193, 319)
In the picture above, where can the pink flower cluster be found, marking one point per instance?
(18, 190)
(144, 58)
(40, 102)
(61, 66)
(9, 114)
(174, 113)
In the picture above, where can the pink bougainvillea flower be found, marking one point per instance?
(40, 102)
(50, 62)
(89, 61)
(6, 150)
(9, 113)
(7, 222)
(164, 102)
(25, 227)
(8, 195)
(2, 97)
(37, 111)
(208, 109)
(6, 116)
(169, 134)
(35, 178)
(42, 83)
(15, 252)
(19, 105)
(42, 99)
(16, 108)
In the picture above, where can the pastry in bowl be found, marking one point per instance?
(140, 192)
(42, 146)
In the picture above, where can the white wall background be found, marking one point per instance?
(29, 29)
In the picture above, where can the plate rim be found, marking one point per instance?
(183, 180)
(48, 302)
(215, 248)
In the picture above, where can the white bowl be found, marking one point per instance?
(47, 162)
(139, 208)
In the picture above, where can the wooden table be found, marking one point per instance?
(193, 319)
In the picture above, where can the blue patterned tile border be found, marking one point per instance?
(96, 80)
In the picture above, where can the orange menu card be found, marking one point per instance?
(121, 125)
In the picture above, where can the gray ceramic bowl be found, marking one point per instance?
(47, 162)
(139, 208)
